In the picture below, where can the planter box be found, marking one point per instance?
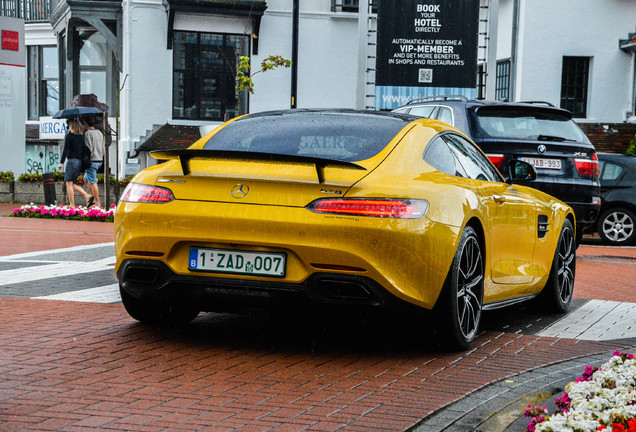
(6, 192)
(33, 192)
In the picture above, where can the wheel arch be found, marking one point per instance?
(477, 225)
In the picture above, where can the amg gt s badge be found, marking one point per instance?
(331, 191)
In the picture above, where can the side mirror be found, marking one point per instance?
(520, 171)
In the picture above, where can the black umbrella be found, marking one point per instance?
(76, 111)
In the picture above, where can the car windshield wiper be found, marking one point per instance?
(552, 138)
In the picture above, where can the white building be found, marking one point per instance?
(577, 55)
(158, 62)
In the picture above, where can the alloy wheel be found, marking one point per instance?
(618, 226)
(470, 288)
(565, 275)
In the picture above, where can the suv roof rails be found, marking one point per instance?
(439, 98)
(534, 102)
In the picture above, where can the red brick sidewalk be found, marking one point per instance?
(78, 367)
(18, 235)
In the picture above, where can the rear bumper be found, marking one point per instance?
(392, 254)
(586, 214)
(153, 280)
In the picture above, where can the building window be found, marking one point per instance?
(574, 81)
(93, 61)
(352, 5)
(204, 79)
(502, 85)
(43, 83)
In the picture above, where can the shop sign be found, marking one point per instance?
(10, 40)
(425, 48)
(52, 129)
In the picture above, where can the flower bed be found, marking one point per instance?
(94, 213)
(603, 399)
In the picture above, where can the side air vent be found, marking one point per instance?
(542, 226)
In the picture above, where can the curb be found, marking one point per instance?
(499, 407)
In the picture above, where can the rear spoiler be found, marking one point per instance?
(185, 155)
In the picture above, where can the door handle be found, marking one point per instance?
(499, 199)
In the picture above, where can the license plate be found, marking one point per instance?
(543, 163)
(239, 262)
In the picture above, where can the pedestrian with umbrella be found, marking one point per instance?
(72, 153)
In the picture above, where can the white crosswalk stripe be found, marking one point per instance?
(103, 294)
(596, 320)
(58, 269)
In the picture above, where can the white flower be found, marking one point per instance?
(594, 403)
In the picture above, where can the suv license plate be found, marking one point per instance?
(238, 262)
(543, 163)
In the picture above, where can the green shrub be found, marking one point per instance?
(29, 178)
(631, 150)
(6, 176)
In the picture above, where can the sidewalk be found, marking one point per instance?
(21, 235)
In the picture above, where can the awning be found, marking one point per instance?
(628, 44)
(251, 9)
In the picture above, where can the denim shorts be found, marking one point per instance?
(90, 176)
(72, 169)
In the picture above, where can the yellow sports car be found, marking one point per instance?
(336, 209)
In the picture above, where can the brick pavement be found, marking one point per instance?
(72, 366)
(82, 366)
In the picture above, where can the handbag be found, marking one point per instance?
(86, 158)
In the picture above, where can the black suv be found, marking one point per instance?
(536, 132)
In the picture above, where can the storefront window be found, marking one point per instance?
(204, 86)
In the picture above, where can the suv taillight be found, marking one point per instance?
(588, 167)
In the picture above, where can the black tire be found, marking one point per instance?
(560, 286)
(150, 312)
(463, 293)
(617, 226)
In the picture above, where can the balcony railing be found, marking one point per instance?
(29, 10)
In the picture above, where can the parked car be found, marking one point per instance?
(339, 209)
(618, 195)
(536, 132)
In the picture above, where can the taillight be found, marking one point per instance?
(371, 207)
(141, 193)
(496, 159)
(588, 167)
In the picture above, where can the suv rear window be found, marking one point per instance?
(341, 136)
(511, 123)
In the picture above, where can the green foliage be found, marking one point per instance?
(30, 178)
(631, 150)
(244, 72)
(6, 176)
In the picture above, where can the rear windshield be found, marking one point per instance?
(525, 124)
(334, 135)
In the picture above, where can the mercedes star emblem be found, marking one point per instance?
(541, 149)
(240, 190)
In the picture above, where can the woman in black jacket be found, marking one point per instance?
(72, 153)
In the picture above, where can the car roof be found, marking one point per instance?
(297, 111)
(477, 105)
(618, 157)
